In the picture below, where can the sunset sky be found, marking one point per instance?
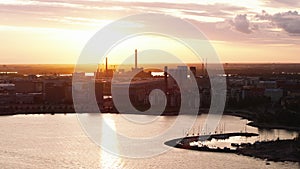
(55, 31)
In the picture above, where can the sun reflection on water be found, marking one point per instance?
(109, 160)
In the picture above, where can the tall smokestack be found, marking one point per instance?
(135, 66)
(166, 84)
(106, 64)
(166, 77)
(203, 72)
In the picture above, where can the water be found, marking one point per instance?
(57, 141)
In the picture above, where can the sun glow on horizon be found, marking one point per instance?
(37, 32)
(151, 49)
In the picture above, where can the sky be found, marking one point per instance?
(55, 31)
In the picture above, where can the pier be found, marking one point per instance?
(184, 142)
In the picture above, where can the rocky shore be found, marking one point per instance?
(279, 150)
(263, 124)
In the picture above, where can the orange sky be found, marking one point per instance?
(55, 31)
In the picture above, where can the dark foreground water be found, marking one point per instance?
(57, 141)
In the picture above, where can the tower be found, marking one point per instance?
(106, 65)
(135, 59)
(166, 77)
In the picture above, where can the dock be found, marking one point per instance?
(184, 142)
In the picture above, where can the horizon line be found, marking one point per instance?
(6, 64)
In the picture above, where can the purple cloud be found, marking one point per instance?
(288, 21)
(241, 24)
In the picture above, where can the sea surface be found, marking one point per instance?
(58, 141)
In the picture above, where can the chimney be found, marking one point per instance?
(166, 77)
(106, 64)
(166, 84)
(206, 73)
(135, 59)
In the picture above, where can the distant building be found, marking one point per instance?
(290, 88)
(54, 93)
(274, 94)
(7, 93)
(28, 86)
(251, 91)
(203, 83)
(24, 98)
(234, 93)
(68, 93)
(267, 84)
(99, 92)
(138, 92)
(193, 70)
(29, 98)
(84, 94)
(205, 98)
(180, 74)
(252, 81)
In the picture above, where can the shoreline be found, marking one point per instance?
(250, 116)
(276, 151)
(244, 114)
(273, 126)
